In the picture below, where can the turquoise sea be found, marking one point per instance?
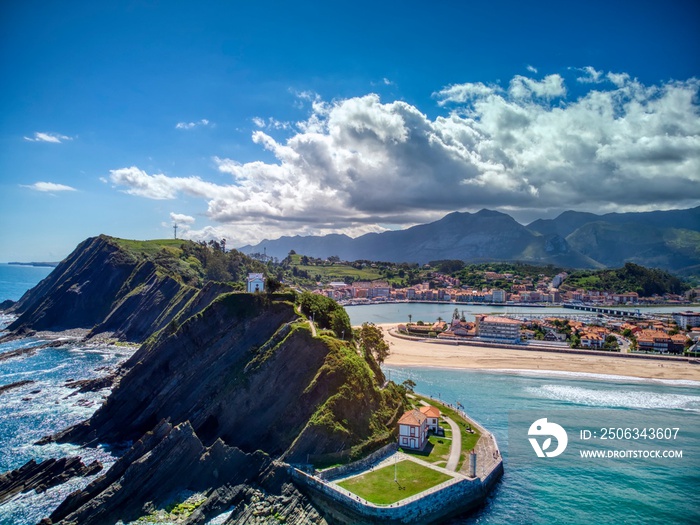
(575, 492)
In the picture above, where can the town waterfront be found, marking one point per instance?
(398, 312)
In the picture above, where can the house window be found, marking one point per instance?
(413, 431)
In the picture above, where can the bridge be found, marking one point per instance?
(615, 312)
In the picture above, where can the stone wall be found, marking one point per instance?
(358, 466)
(451, 498)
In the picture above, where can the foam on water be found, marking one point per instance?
(596, 377)
(615, 398)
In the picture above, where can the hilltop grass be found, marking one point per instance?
(379, 487)
(151, 247)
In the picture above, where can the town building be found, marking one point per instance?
(255, 283)
(413, 430)
(687, 320)
(499, 329)
(499, 296)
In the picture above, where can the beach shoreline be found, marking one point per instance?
(404, 352)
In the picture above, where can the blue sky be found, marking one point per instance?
(251, 120)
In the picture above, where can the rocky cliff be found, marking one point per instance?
(247, 370)
(224, 384)
(125, 288)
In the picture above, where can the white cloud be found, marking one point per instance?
(270, 123)
(549, 87)
(181, 218)
(191, 125)
(54, 138)
(619, 79)
(531, 69)
(49, 187)
(357, 164)
(460, 93)
(161, 187)
(591, 75)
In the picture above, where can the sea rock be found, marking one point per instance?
(7, 304)
(16, 384)
(44, 475)
(273, 499)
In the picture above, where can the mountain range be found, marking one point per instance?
(663, 239)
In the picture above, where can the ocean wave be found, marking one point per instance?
(597, 377)
(617, 398)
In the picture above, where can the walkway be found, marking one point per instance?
(311, 323)
(456, 449)
(456, 446)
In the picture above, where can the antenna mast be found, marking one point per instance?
(175, 230)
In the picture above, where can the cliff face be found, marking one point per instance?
(247, 370)
(209, 402)
(105, 287)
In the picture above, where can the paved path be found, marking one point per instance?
(456, 448)
(311, 323)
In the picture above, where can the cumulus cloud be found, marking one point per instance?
(531, 69)
(161, 187)
(181, 218)
(590, 76)
(460, 93)
(48, 187)
(549, 87)
(191, 125)
(54, 138)
(357, 165)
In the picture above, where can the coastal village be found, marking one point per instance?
(613, 322)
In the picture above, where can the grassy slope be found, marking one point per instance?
(336, 272)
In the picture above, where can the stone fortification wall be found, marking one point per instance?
(451, 498)
(358, 466)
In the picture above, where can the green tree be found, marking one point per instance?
(372, 340)
(409, 385)
(216, 270)
(272, 285)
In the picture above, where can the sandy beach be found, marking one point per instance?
(413, 353)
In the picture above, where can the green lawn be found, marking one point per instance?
(378, 486)
(469, 439)
(437, 451)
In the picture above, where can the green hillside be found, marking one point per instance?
(630, 278)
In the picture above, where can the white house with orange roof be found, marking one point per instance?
(433, 415)
(413, 430)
